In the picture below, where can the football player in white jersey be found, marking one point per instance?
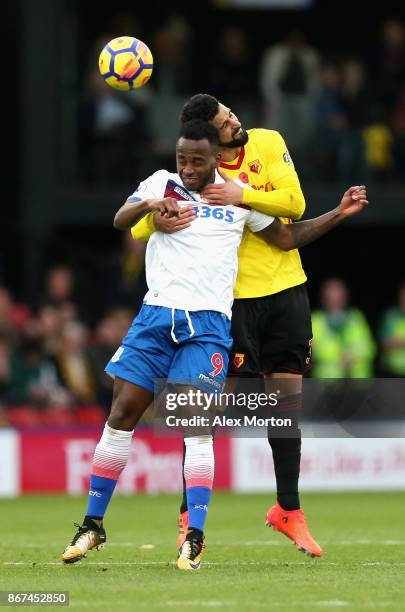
(182, 332)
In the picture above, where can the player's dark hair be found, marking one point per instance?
(200, 106)
(196, 129)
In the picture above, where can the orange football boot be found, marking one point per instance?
(294, 525)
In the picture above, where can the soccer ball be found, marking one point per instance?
(125, 63)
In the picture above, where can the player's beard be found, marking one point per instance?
(240, 141)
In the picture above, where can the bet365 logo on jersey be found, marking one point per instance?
(204, 212)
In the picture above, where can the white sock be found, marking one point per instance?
(112, 452)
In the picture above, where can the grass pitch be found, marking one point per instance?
(245, 567)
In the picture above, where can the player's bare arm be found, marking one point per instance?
(132, 212)
(295, 235)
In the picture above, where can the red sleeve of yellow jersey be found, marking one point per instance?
(285, 198)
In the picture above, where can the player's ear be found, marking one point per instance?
(218, 159)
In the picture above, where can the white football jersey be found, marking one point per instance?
(195, 268)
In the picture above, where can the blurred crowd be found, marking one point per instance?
(342, 116)
(52, 361)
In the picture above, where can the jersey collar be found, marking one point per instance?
(238, 164)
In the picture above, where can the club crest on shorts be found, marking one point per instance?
(239, 360)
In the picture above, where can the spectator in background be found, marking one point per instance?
(392, 336)
(354, 101)
(234, 77)
(33, 377)
(74, 364)
(62, 292)
(27, 374)
(114, 133)
(107, 338)
(343, 346)
(105, 341)
(68, 312)
(386, 65)
(330, 122)
(49, 324)
(289, 83)
(379, 146)
(59, 285)
(13, 316)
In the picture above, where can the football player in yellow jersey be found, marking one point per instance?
(271, 321)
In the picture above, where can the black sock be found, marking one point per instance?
(287, 459)
(194, 533)
(287, 450)
(183, 506)
(96, 519)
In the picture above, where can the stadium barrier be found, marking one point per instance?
(59, 460)
(44, 460)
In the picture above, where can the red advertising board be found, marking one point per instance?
(60, 460)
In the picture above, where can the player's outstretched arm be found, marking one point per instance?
(295, 235)
(133, 211)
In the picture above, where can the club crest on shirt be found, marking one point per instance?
(239, 360)
(255, 166)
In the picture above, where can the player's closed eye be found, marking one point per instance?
(226, 123)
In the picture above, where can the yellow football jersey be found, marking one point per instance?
(263, 163)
